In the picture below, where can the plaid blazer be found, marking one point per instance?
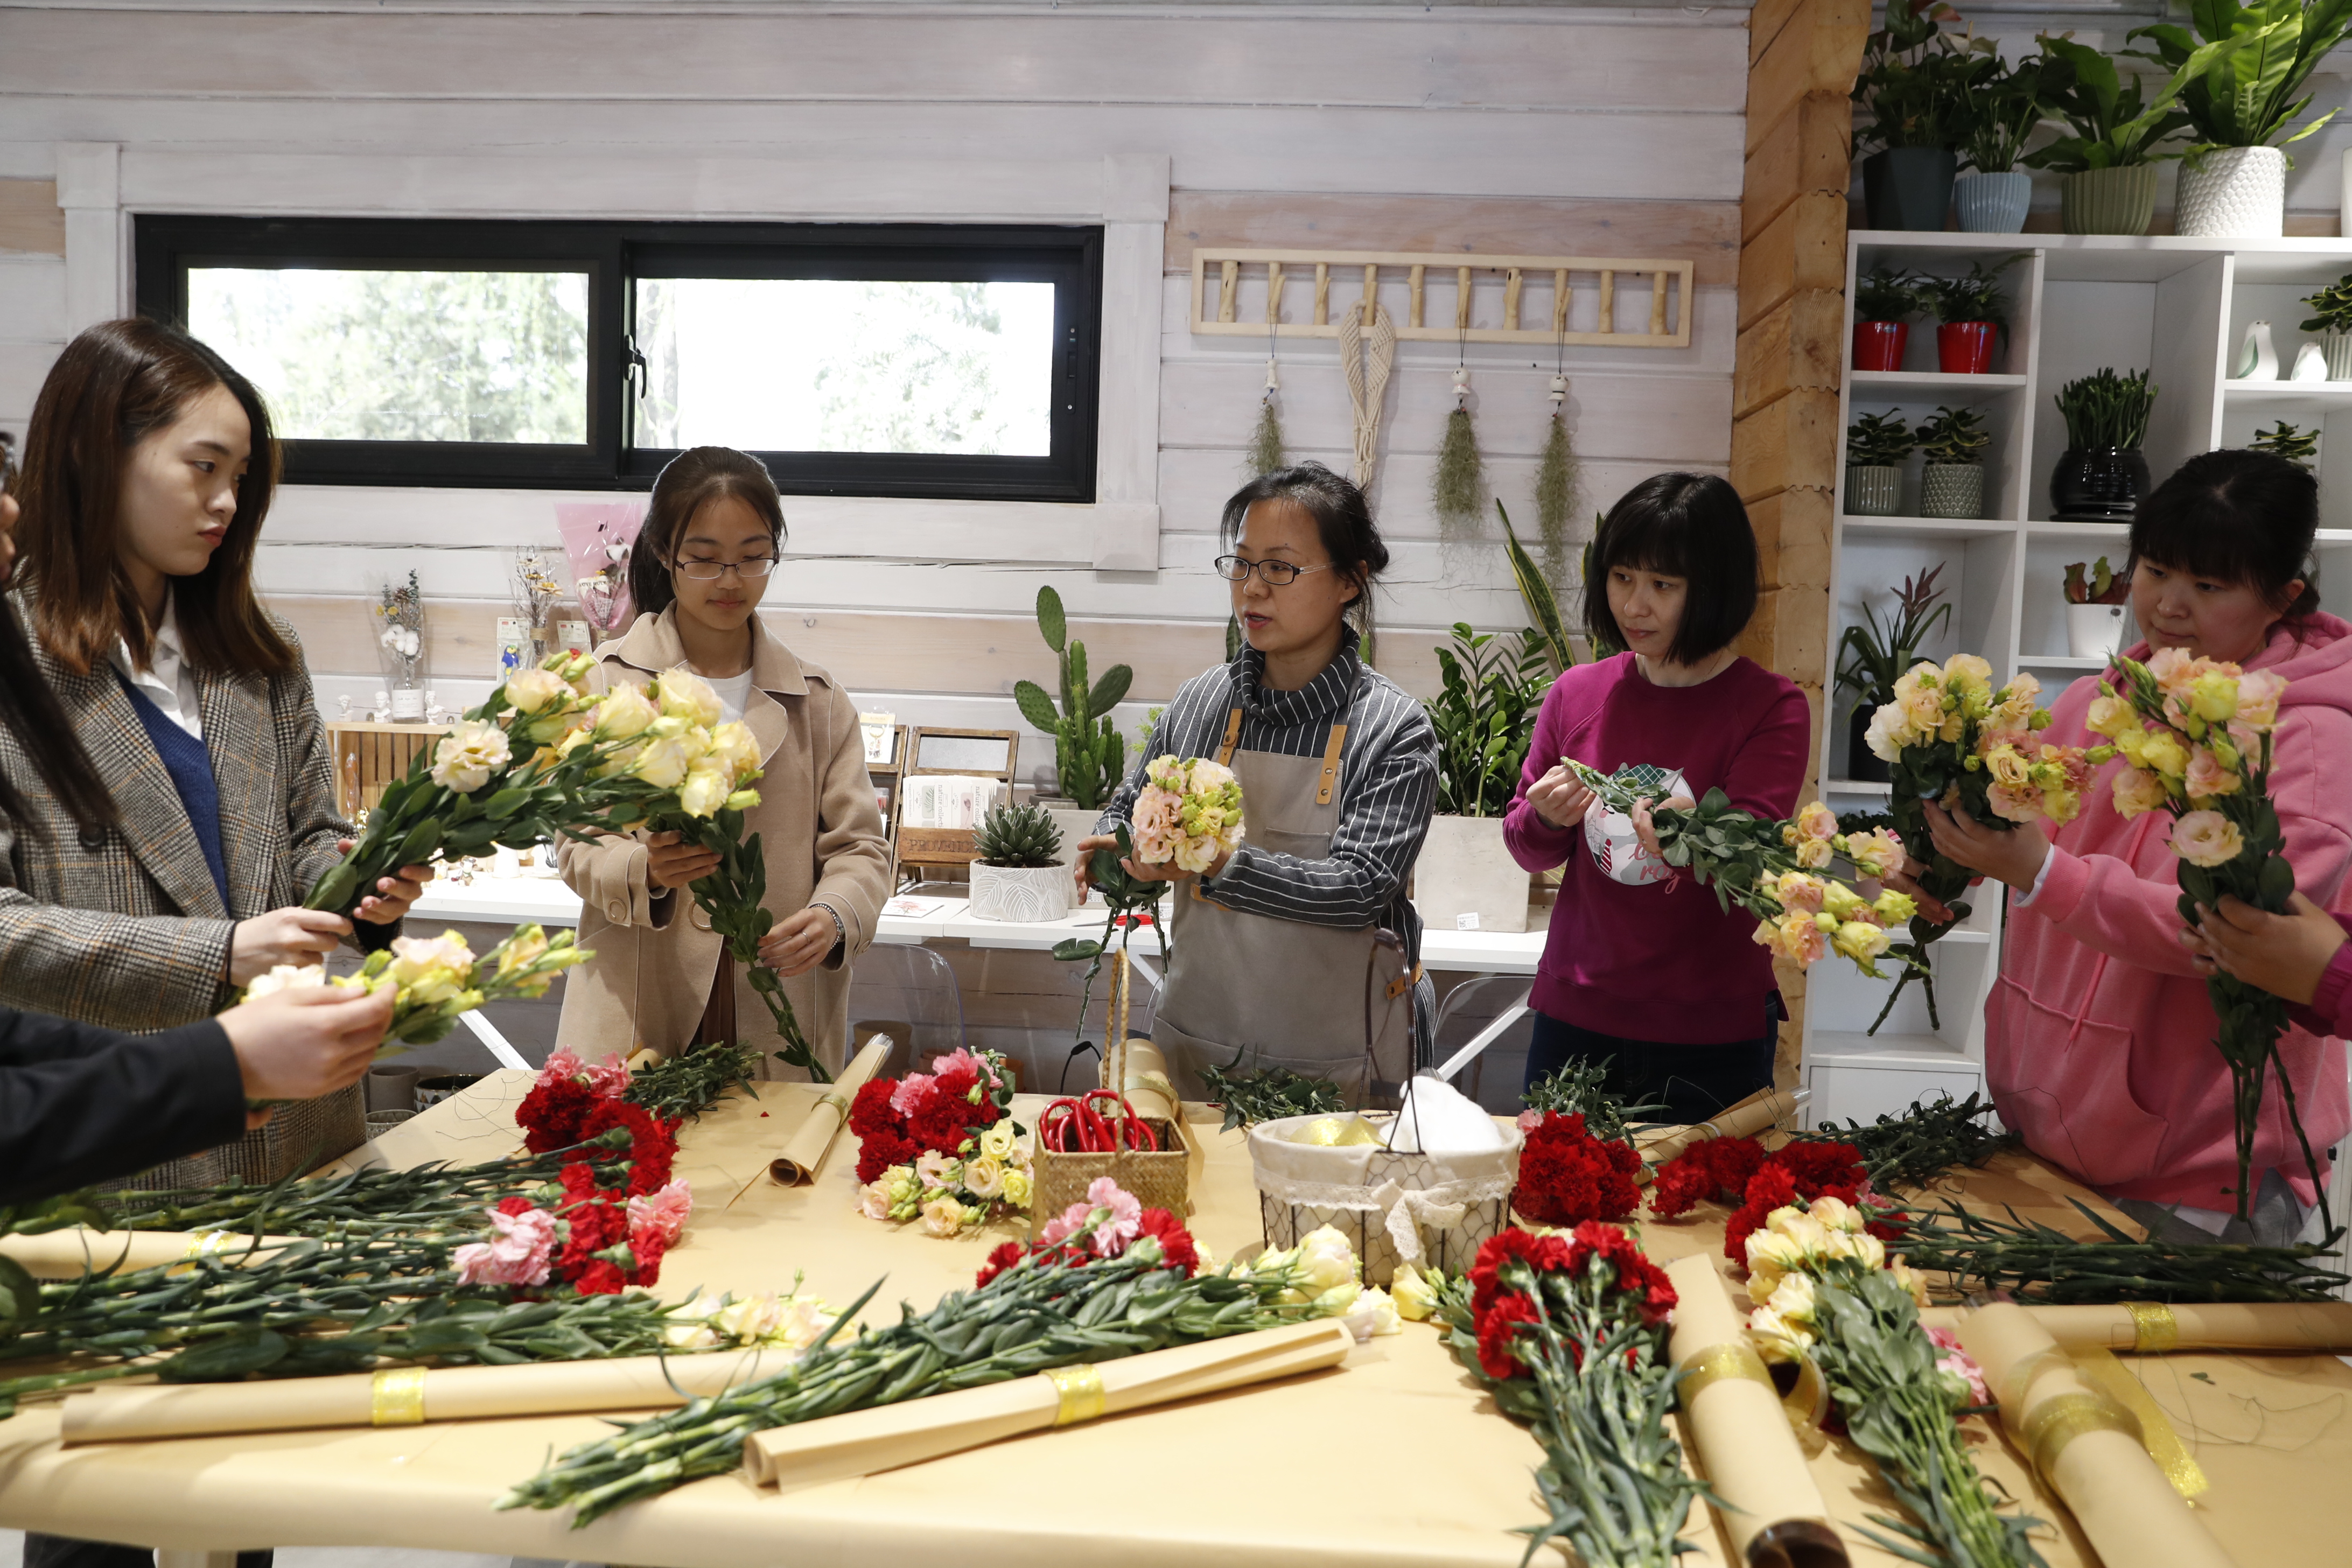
(125, 927)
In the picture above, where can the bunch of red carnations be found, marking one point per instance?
(1568, 1176)
(1739, 1172)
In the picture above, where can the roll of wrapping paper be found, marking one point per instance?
(868, 1442)
(407, 1396)
(1143, 1078)
(804, 1151)
(69, 1253)
(2085, 1444)
(2151, 1328)
(1732, 1418)
(1760, 1112)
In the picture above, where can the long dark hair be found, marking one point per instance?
(696, 476)
(115, 385)
(1690, 526)
(2236, 516)
(1343, 522)
(30, 712)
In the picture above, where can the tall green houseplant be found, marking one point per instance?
(1088, 755)
(1485, 716)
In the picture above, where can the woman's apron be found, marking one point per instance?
(1318, 1000)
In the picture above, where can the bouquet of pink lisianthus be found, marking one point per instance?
(2197, 736)
(1188, 813)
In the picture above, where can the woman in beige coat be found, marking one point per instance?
(661, 977)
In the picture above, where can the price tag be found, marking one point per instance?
(1466, 920)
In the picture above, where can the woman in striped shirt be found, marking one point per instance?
(1299, 949)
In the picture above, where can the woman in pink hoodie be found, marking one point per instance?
(2098, 1035)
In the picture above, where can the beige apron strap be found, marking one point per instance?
(1331, 764)
(1233, 737)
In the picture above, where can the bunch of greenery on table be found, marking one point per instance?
(1579, 1089)
(2115, 123)
(1089, 754)
(2002, 106)
(1485, 716)
(2104, 411)
(1975, 297)
(1955, 436)
(1569, 1334)
(2331, 308)
(1914, 81)
(2298, 445)
(1887, 294)
(1914, 1148)
(1116, 1281)
(1878, 441)
(1269, 1094)
(1872, 657)
(1980, 1253)
(2239, 74)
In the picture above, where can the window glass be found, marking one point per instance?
(791, 364)
(404, 355)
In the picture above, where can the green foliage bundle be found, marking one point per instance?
(1914, 1148)
(1954, 436)
(2240, 70)
(1485, 715)
(1089, 757)
(1555, 493)
(1579, 1089)
(1984, 1254)
(1878, 441)
(1269, 1094)
(2104, 411)
(1020, 836)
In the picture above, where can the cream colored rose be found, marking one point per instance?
(287, 977)
(625, 714)
(735, 748)
(1836, 1214)
(1415, 1296)
(942, 1216)
(469, 754)
(1328, 1260)
(1017, 1188)
(704, 790)
(2206, 838)
(528, 690)
(1811, 1236)
(2137, 791)
(998, 1140)
(984, 1177)
(662, 763)
(1373, 1312)
(1888, 733)
(1792, 1299)
(687, 696)
(434, 970)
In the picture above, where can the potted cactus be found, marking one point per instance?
(1020, 874)
(1952, 482)
(1089, 756)
(1884, 302)
(1876, 447)
(2094, 609)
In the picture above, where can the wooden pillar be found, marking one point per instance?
(1802, 58)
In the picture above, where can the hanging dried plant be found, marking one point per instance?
(1459, 490)
(1264, 453)
(1555, 493)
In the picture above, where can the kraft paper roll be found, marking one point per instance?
(403, 1396)
(804, 1151)
(1760, 1112)
(2086, 1447)
(868, 1442)
(2151, 1328)
(1143, 1073)
(1731, 1414)
(69, 1253)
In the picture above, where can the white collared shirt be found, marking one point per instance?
(734, 692)
(167, 681)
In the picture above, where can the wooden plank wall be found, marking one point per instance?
(1784, 438)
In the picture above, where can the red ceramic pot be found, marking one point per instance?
(1965, 348)
(1879, 345)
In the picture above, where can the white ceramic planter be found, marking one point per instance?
(2094, 631)
(1465, 879)
(2235, 192)
(1025, 894)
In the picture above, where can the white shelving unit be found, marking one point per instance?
(2077, 303)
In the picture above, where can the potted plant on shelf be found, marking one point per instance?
(2249, 63)
(1876, 447)
(2332, 320)
(2102, 474)
(2297, 446)
(1952, 482)
(1089, 755)
(1970, 312)
(1020, 874)
(1910, 84)
(1884, 302)
(2000, 108)
(2094, 610)
(2109, 162)
(1870, 658)
(1485, 716)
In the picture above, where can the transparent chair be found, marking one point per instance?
(1493, 1077)
(907, 992)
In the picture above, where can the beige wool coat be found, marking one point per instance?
(657, 955)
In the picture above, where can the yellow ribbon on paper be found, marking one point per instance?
(1081, 1391)
(397, 1397)
(839, 1101)
(2153, 1328)
(2059, 1420)
(1733, 1358)
(2099, 1367)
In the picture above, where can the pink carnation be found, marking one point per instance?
(1126, 1221)
(1065, 1225)
(962, 1057)
(913, 1092)
(562, 1065)
(610, 1078)
(661, 1213)
(1958, 1362)
(516, 1253)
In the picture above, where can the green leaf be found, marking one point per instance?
(231, 1356)
(1071, 948)
(1050, 619)
(1109, 690)
(1034, 705)
(2277, 882)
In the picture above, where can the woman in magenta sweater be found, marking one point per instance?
(2098, 1035)
(1644, 971)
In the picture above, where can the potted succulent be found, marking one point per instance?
(1870, 658)
(2094, 610)
(1952, 482)
(2332, 320)
(2244, 67)
(1876, 447)
(2109, 161)
(1883, 301)
(1020, 874)
(1910, 84)
(2102, 474)
(2297, 446)
(1970, 312)
(2001, 107)
(1485, 715)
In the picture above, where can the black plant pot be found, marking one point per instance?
(1908, 187)
(2098, 485)
(1862, 765)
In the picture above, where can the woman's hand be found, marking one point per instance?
(670, 864)
(1171, 872)
(302, 1042)
(2012, 856)
(2285, 954)
(1083, 865)
(800, 942)
(390, 902)
(1559, 798)
(1645, 828)
(296, 936)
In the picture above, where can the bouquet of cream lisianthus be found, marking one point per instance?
(433, 982)
(1188, 813)
(1950, 737)
(2197, 735)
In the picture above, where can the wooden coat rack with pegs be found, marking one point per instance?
(1217, 276)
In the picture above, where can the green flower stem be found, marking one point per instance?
(1981, 1253)
(733, 897)
(1912, 1149)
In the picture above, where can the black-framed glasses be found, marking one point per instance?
(711, 571)
(1277, 574)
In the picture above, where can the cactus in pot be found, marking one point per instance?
(1088, 755)
(1019, 838)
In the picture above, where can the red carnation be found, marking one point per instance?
(1818, 1168)
(1007, 1254)
(956, 1084)
(1718, 1168)
(1497, 1328)
(942, 1124)
(598, 1277)
(1175, 1242)
(1771, 1188)
(1543, 1254)
(870, 1111)
(882, 1149)
(652, 1145)
(1567, 1176)
(552, 1114)
(514, 1205)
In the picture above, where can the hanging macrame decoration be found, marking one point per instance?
(1459, 490)
(1367, 353)
(1265, 453)
(1556, 488)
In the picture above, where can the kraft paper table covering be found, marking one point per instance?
(1288, 1487)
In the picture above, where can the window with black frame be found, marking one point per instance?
(903, 360)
